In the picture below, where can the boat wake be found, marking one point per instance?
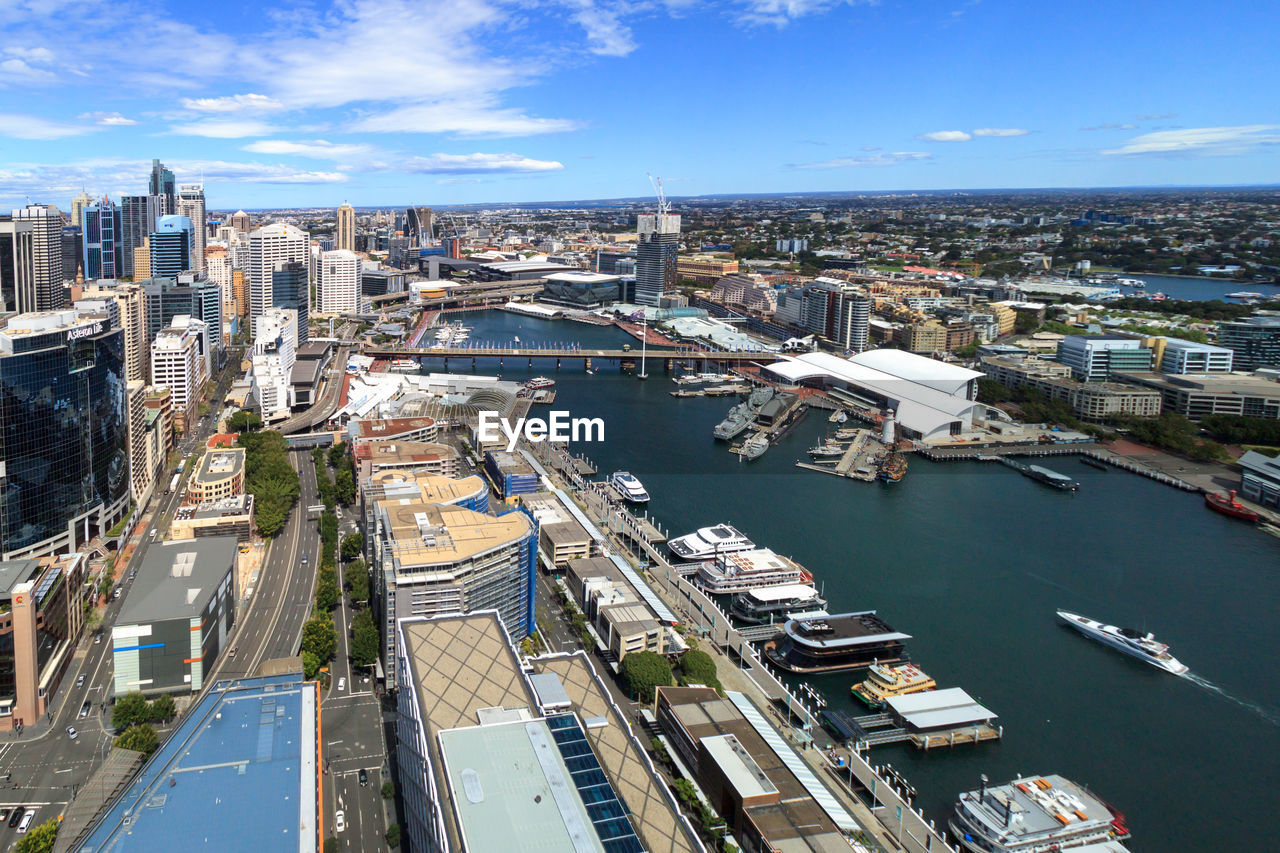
(1270, 716)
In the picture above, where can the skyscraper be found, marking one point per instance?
(17, 266)
(269, 246)
(46, 292)
(101, 232)
(62, 418)
(188, 295)
(171, 247)
(656, 256)
(345, 238)
(138, 215)
(163, 185)
(338, 282)
(417, 226)
(838, 311)
(241, 222)
(78, 204)
(289, 289)
(191, 205)
(131, 306)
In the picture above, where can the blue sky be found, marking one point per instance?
(382, 102)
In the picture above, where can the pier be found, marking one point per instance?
(1092, 450)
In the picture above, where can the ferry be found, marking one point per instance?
(1228, 505)
(1135, 283)
(1127, 640)
(763, 604)
(836, 643)
(1244, 294)
(628, 487)
(539, 382)
(1036, 814)
(886, 682)
(707, 542)
(744, 570)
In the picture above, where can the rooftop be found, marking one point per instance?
(240, 771)
(434, 534)
(843, 629)
(430, 488)
(220, 464)
(177, 578)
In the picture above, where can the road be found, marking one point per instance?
(327, 401)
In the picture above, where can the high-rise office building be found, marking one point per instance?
(17, 265)
(78, 204)
(241, 222)
(274, 353)
(162, 184)
(345, 235)
(656, 256)
(46, 292)
(191, 205)
(269, 247)
(217, 266)
(138, 215)
(131, 308)
(417, 226)
(72, 250)
(289, 289)
(187, 295)
(177, 364)
(1094, 358)
(62, 416)
(338, 282)
(171, 247)
(1254, 341)
(102, 238)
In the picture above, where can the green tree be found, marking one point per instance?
(140, 738)
(130, 709)
(641, 672)
(310, 665)
(39, 839)
(344, 483)
(388, 790)
(352, 546)
(244, 421)
(163, 709)
(319, 636)
(337, 454)
(269, 478)
(357, 578)
(327, 593)
(393, 835)
(364, 640)
(698, 667)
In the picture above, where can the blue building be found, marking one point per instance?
(102, 239)
(171, 246)
(510, 473)
(289, 289)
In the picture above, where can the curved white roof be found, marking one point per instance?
(947, 378)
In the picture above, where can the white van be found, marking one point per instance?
(26, 820)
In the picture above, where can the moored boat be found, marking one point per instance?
(707, 542)
(628, 487)
(885, 682)
(769, 603)
(1229, 506)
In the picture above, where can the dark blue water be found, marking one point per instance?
(972, 560)
(1203, 289)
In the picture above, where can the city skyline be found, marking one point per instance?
(311, 106)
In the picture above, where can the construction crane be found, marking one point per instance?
(663, 206)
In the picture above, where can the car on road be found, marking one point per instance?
(26, 820)
(364, 777)
(80, 680)
(97, 638)
(304, 559)
(16, 818)
(84, 709)
(342, 684)
(72, 733)
(339, 822)
(4, 814)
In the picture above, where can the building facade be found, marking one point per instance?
(338, 282)
(43, 290)
(102, 240)
(838, 311)
(171, 247)
(63, 413)
(190, 203)
(345, 233)
(138, 215)
(289, 289)
(657, 256)
(269, 247)
(1094, 358)
(1255, 341)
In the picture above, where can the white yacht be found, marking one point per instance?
(1131, 642)
(707, 542)
(630, 488)
(744, 570)
(769, 603)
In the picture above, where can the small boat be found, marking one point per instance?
(846, 434)
(709, 542)
(539, 382)
(827, 451)
(1135, 283)
(1094, 463)
(1244, 294)
(1228, 505)
(1134, 643)
(628, 487)
(841, 416)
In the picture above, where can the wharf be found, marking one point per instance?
(1090, 450)
(858, 456)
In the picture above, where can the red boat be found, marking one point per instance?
(1228, 505)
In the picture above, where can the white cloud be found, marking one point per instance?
(1000, 132)
(41, 55)
(472, 120)
(49, 180)
(472, 164)
(108, 119)
(1157, 116)
(779, 13)
(232, 103)
(1203, 141)
(893, 158)
(946, 136)
(1111, 126)
(317, 149)
(224, 128)
(18, 126)
(19, 70)
(606, 34)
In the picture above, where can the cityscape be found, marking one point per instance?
(536, 495)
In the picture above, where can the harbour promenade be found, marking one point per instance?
(890, 821)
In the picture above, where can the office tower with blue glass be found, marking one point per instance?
(172, 244)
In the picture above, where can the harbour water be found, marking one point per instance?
(972, 560)
(1199, 287)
